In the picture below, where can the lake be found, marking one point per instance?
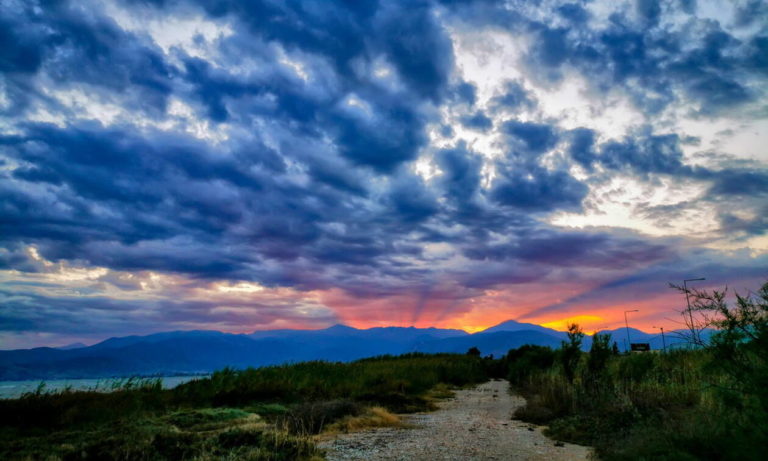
(14, 389)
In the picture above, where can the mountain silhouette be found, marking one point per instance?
(202, 351)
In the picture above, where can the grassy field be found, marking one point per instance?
(709, 402)
(256, 414)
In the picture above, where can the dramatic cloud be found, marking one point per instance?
(237, 165)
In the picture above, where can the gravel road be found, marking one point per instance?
(475, 425)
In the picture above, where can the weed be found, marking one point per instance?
(267, 413)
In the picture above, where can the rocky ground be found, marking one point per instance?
(475, 425)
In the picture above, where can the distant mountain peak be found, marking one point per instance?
(340, 327)
(71, 346)
(514, 325)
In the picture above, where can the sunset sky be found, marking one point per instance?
(249, 165)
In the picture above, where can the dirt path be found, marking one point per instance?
(476, 425)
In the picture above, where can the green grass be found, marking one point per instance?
(710, 402)
(645, 407)
(684, 405)
(267, 413)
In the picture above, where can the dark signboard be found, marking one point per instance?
(640, 347)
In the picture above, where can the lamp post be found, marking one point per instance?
(696, 338)
(626, 323)
(663, 340)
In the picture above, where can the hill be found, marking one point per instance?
(192, 352)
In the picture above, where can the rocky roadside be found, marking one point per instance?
(475, 425)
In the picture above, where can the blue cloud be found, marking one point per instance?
(649, 10)
(513, 98)
(286, 150)
(466, 92)
(575, 249)
(536, 137)
(477, 121)
(461, 172)
(645, 154)
(538, 189)
(750, 183)
(573, 12)
(582, 147)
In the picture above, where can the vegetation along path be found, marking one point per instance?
(475, 425)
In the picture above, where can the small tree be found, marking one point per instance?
(740, 346)
(528, 359)
(474, 352)
(599, 353)
(570, 352)
(695, 320)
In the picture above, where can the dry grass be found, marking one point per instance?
(371, 417)
(270, 413)
(441, 391)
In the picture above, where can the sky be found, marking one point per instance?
(240, 166)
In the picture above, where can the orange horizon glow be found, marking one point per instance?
(473, 315)
(557, 325)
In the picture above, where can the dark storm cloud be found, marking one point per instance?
(523, 183)
(291, 160)
(489, 275)
(572, 249)
(656, 63)
(15, 257)
(418, 47)
(477, 121)
(539, 190)
(465, 92)
(391, 138)
(582, 147)
(645, 154)
(64, 315)
(123, 201)
(513, 97)
(73, 47)
(165, 203)
(461, 172)
(411, 199)
(536, 137)
(757, 225)
(391, 132)
(750, 183)
(573, 12)
(641, 153)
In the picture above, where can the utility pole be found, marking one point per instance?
(694, 333)
(626, 323)
(663, 340)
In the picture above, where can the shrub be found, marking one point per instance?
(705, 403)
(312, 417)
(526, 360)
(215, 418)
(570, 352)
(599, 353)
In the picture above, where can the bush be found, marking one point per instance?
(526, 360)
(311, 417)
(216, 418)
(705, 403)
(599, 353)
(570, 352)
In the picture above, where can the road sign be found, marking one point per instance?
(640, 347)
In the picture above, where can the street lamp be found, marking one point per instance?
(626, 323)
(663, 340)
(696, 339)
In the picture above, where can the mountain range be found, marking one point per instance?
(192, 352)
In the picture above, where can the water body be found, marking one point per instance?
(14, 389)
